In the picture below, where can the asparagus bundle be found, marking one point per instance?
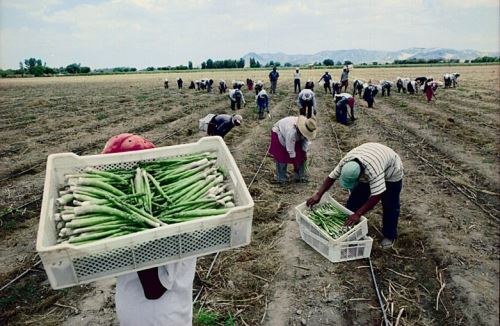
(329, 218)
(102, 204)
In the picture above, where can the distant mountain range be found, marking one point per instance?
(358, 56)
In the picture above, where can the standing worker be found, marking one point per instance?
(344, 78)
(296, 81)
(179, 82)
(341, 102)
(306, 100)
(221, 124)
(236, 97)
(290, 141)
(156, 296)
(326, 79)
(273, 78)
(262, 101)
(372, 172)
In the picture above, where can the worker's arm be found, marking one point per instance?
(370, 203)
(151, 284)
(327, 184)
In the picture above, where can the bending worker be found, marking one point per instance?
(221, 124)
(236, 97)
(372, 172)
(290, 141)
(306, 100)
(342, 101)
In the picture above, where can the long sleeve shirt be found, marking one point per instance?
(232, 95)
(274, 75)
(223, 124)
(344, 76)
(302, 97)
(296, 75)
(288, 135)
(380, 164)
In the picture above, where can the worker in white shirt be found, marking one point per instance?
(306, 100)
(236, 97)
(160, 295)
(296, 81)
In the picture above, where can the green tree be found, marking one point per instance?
(210, 64)
(328, 62)
(73, 68)
(190, 65)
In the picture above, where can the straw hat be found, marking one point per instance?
(307, 127)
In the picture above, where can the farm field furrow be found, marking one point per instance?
(278, 279)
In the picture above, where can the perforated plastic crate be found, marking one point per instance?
(338, 251)
(68, 265)
(357, 232)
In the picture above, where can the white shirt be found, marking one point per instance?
(173, 308)
(233, 91)
(380, 162)
(296, 75)
(286, 129)
(302, 95)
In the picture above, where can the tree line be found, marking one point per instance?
(36, 67)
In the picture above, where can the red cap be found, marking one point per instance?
(126, 143)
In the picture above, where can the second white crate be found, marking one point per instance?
(358, 231)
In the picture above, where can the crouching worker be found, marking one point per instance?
(262, 101)
(165, 83)
(290, 140)
(307, 102)
(156, 296)
(341, 112)
(259, 85)
(372, 172)
(236, 97)
(221, 124)
(430, 90)
(222, 86)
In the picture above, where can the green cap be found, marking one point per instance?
(349, 174)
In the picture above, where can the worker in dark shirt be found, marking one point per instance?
(326, 79)
(273, 78)
(221, 124)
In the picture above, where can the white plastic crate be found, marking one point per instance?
(203, 122)
(68, 265)
(359, 231)
(338, 251)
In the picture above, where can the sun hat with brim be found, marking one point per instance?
(307, 127)
(237, 118)
(349, 174)
(126, 143)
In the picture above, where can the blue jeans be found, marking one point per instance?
(390, 204)
(283, 176)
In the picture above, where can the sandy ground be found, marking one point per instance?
(449, 215)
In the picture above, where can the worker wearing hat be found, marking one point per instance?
(221, 124)
(372, 172)
(290, 141)
(306, 100)
(156, 296)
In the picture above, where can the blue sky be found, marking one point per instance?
(141, 33)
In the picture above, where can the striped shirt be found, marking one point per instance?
(380, 163)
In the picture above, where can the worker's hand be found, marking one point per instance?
(352, 220)
(313, 200)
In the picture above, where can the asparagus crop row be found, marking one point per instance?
(329, 218)
(97, 204)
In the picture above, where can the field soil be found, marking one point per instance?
(443, 269)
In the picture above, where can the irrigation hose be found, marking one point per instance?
(386, 322)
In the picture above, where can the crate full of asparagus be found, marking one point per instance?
(106, 215)
(322, 227)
